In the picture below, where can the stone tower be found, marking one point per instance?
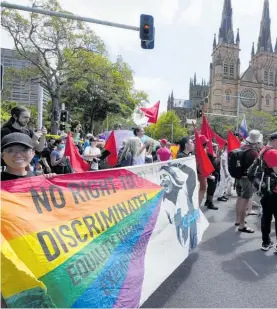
(197, 92)
(257, 86)
(225, 66)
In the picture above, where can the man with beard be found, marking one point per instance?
(178, 201)
(20, 117)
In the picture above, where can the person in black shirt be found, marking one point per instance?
(186, 147)
(46, 156)
(20, 117)
(17, 152)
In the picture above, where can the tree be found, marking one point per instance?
(108, 88)
(47, 42)
(163, 128)
(262, 121)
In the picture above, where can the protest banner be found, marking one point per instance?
(103, 239)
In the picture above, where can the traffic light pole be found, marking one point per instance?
(67, 16)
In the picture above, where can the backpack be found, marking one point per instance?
(263, 178)
(235, 163)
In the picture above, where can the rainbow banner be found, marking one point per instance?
(102, 239)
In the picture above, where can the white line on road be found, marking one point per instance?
(251, 268)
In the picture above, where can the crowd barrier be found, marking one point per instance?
(103, 239)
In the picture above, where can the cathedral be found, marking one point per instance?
(229, 91)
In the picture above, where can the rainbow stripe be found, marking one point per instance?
(77, 241)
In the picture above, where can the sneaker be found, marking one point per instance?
(221, 199)
(266, 246)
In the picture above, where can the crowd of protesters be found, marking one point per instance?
(27, 153)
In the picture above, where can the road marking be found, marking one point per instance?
(251, 268)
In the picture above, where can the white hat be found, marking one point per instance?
(254, 137)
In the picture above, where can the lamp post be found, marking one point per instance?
(238, 97)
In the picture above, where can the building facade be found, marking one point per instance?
(231, 92)
(26, 92)
(187, 109)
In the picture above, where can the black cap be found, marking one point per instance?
(273, 136)
(16, 139)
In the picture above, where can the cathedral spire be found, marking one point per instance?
(264, 42)
(226, 33)
(238, 38)
(253, 50)
(194, 78)
(214, 43)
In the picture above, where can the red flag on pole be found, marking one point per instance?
(111, 147)
(220, 141)
(208, 132)
(233, 142)
(204, 164)
(152, 112)
(77, 162)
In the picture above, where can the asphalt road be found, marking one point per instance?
(228, 269)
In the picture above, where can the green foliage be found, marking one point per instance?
(103, 88)
(221, 125)
(6, 107)
(262, 121)
(45, 41)
(163, 127)
(60, 51)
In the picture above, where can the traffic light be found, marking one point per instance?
(199, 113)
(64, 116)
(147, 31)
(62, 127)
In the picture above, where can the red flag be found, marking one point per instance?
(220, 141)
(111, 147)
(208, 132)
(77, 162)
(233, 142)
(204, 164)
(152, 112)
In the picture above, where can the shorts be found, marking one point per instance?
(203, 183)
(244, 188)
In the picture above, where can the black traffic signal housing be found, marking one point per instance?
(199, 113)
(62, 127)
(64, 116)
(147, 31)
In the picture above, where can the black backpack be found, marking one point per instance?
(235, 163)
(263, 178)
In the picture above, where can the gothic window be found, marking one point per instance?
(248, 98)
(226, 70)
(266, 77)
(205, 93)
(231, 71)
(267, 100)
(198, 93)
(271, 77)
(228, 94)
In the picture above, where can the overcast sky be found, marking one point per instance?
(184, 36)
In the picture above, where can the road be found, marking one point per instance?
(227, 270)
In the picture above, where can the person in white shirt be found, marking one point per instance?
(92, 153)
(140, 159)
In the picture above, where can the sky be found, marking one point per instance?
(183, 42)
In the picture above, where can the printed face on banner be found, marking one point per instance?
(98, 239)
